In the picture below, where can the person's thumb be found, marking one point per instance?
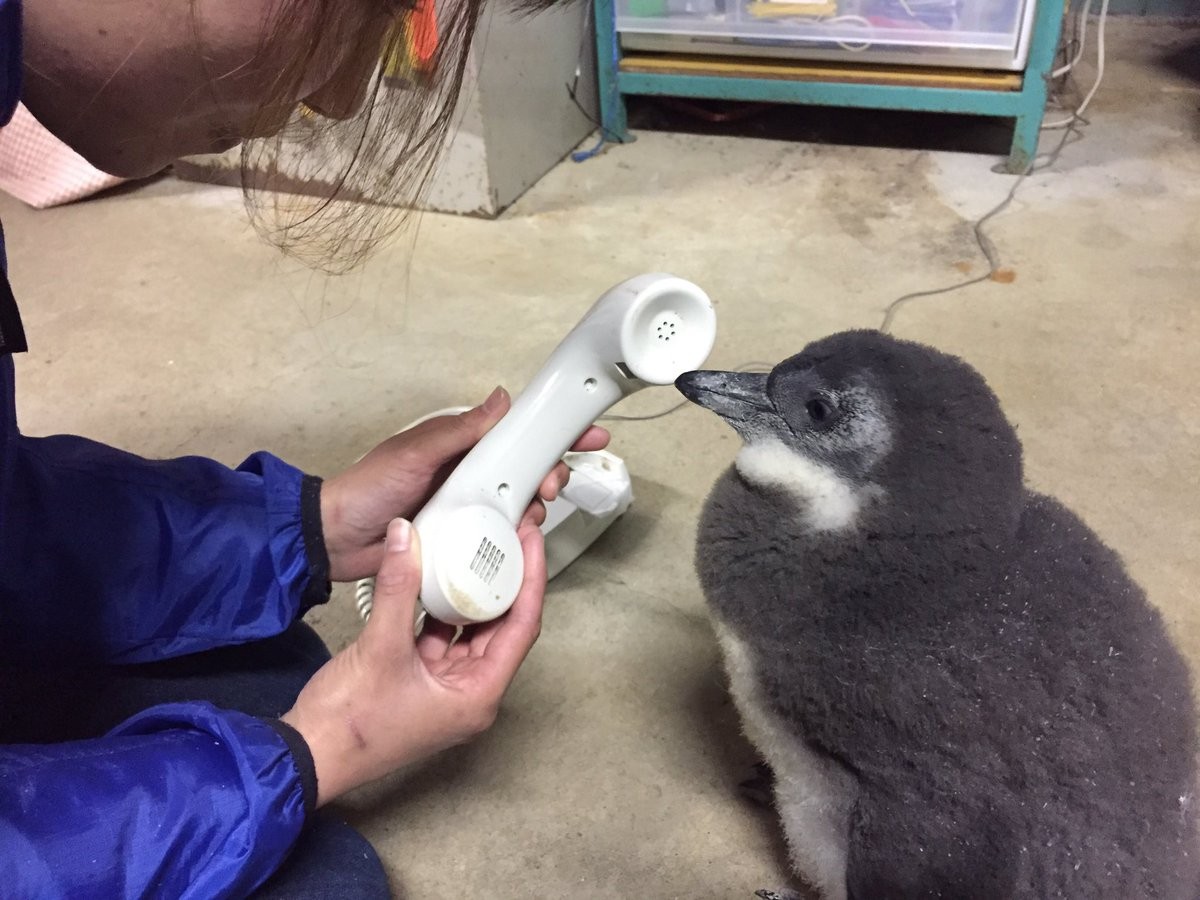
(451, 436)
(482, 417)
(390, 629)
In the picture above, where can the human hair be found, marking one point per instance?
(362, 175)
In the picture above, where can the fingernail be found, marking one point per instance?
(399, 536)
(492, 403)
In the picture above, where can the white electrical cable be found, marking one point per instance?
(850, 20)
(364, 590)
(1082, 108)
(364, 597)
(1083, 19)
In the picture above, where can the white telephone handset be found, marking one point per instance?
(645, 331)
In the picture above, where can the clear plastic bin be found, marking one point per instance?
(986, 34)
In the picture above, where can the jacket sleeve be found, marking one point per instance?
(105, 556)
(183, 800)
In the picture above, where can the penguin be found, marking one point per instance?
(957, 687)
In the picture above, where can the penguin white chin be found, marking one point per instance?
(827, 501)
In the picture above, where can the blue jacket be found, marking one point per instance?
(109, 557)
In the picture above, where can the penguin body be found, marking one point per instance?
(959, 690)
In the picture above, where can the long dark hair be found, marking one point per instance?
(386, 151)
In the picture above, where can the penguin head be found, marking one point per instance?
(862, 425)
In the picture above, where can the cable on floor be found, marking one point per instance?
(985, 244)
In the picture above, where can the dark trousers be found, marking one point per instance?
(329, 860)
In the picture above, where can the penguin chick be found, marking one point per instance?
(959, 689)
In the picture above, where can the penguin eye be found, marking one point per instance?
(820, 410)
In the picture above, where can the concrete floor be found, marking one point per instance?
(160, 323)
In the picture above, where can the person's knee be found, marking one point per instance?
(330, 859)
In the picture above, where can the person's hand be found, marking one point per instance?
(402, 473)
(389, 699)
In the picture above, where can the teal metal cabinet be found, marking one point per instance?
(643, 48)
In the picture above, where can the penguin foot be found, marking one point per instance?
(759, 788)
(785, 894)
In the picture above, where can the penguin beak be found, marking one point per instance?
(737, 397)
